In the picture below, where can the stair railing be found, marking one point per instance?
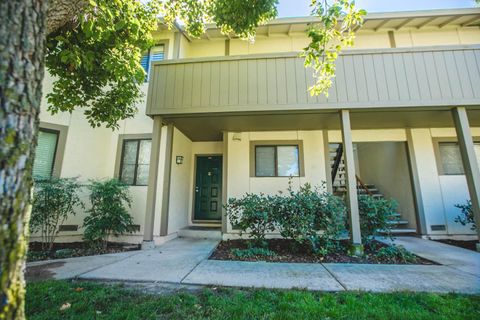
(363, 186)
(336, 161)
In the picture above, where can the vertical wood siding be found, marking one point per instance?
(389, 78)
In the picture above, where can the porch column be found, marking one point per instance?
(469, 160)
(351, 184)
(167, 173)
(152, 183)
(224, 179)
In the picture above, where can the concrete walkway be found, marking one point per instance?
(184, 261)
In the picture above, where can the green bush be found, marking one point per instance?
(308, 215)
(467, 215)
(375, 216)
(108, 214)
(396, 254)
(254, 213)
(54, 200)
(253, 252)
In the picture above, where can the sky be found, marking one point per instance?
(300, 8)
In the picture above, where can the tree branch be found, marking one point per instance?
(63, 12)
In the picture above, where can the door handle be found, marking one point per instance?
(196, 189)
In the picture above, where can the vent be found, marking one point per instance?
(437, 227)
(68, 227)
(136, 227)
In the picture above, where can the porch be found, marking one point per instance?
(222, 109)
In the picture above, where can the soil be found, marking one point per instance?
(289, 251)
(74, 249)
(466, 244)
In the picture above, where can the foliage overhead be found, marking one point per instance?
(334, 32)
(95, 60)
(96, 63)
(237, 17)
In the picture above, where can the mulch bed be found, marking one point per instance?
(466, 244)
(74, 249)
(289, 251)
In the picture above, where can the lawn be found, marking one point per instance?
(90, 300)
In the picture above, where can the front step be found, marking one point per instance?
(401, 232)
(197, 232)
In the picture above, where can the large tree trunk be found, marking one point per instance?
(22, 52)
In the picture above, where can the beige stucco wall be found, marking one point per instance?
(385, 164)
(238, 174)
(365, 39)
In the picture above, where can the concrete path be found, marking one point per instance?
(171, 262)
(184, 261)
(458, 258)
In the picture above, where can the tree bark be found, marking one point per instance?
(22, 52)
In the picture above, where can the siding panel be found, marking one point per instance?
(365, 78)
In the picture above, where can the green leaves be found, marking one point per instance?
(108, 214)
(97, 63)
(239, 17)
(333, 33)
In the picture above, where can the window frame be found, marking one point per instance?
(438, 157)
(62, 132)
(276, 144)
(158, 43)
(121, 152)
(57, 133)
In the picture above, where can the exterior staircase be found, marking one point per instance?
(399, 225)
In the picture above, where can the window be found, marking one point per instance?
(277, 161)
(45, 153)
(451, 159)
(135, 161)
(156, 53)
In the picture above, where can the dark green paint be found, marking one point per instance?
(208, 188)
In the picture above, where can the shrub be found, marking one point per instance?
(311, 216)
(108, 215)
(396, 254)
(253, 213)
(252, 252)
(467, 215)
(54, 200)
(375, 216)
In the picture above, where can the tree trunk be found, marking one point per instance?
(22, 52)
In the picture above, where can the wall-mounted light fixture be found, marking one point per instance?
(237, 136)
(179, 160)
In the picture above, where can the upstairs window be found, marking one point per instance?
(156, 53)
(135, 161)
(277, 161)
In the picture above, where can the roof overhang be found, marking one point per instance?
(385, 21)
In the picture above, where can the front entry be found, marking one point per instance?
(208, 189)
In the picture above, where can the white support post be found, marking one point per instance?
(351, 184)
(469, 159)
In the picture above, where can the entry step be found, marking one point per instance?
(201, 232)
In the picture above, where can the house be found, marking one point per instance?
(224, 117)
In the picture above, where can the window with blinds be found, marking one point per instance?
(157, 53)
(277, 161)
(451, 159)
(45, 153)
(135, 162)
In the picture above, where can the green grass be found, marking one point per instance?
(99, 301)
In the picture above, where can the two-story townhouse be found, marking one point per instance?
(225, 117)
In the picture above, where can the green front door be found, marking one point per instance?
(208, 188)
